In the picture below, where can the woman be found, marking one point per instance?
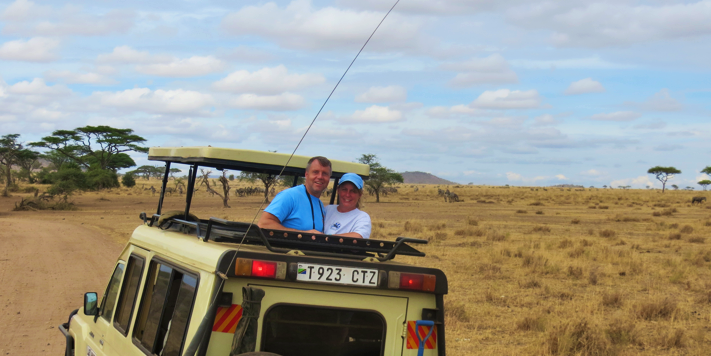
(345, 219)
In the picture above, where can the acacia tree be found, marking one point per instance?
(205, 179)
(101, 146)
(663, 174)
(380, 176)
(9, 150)
(704, 183)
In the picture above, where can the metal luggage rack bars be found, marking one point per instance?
(279, 241)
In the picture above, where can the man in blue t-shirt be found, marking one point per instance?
(299, 208)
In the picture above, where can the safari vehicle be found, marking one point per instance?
(185, 285)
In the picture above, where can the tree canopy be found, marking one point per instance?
(704, 183)
(663, 174)
(101, 146)
(13, 152)
(380, 176)
(267, 179)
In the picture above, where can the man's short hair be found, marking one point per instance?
(321, 160)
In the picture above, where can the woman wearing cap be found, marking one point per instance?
(346, 219)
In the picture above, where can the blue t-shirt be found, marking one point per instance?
(293, 210)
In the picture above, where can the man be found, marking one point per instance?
(299, 208)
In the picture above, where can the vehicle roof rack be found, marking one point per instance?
(279, 241)
(249, 160)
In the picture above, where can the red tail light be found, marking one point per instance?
(412, 281)
(246, 267)
(264, 269)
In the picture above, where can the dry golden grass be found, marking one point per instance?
(577, 279)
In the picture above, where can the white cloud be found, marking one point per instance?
(545, 120)
(23, 10)
(591, 23)
(266, 81)
(181, 68)
(25, 18)
(375, 114)
(298, 25)
(616, 116)
(584, 86)
(160, 101)
(507, 99)
(561, 177)
(489, 70)
(592, 173)
(392, 93)
(37, 49)
(515, 177)
(639, 182)
(37, 87)
(128, 55)
(662, 101)
(281, 102)
(78, 78)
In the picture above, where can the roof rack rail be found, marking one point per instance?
(279, 241)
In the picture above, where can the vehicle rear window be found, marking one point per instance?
(296, 330)
(165, 310)
(129, 289)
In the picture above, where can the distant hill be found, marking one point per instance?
(423, 178)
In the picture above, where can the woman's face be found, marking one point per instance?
(348, 196)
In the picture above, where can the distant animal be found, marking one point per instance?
(698, 200)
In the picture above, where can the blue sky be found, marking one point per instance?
(490, 92)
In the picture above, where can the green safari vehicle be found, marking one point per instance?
(189, 285)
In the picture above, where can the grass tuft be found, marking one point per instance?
(531, 323)
(607, 233)
(413, 226)
(575, 221)
(613, 299)
(687, 229)
(578, 338)
(659, 309)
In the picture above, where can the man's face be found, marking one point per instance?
(317, 177)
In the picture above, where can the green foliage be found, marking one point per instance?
(12, 152)
(67, 180)
(267, 179)
(380, 176)
(704, 183)
(128, 181)
(706, 170)
(288, 181)
(98, 179)
(148, 171)
(95, 146)
(232, 177)
(663, 174)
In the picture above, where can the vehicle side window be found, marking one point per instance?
(129, 290)
(107, 305)
(165, 310)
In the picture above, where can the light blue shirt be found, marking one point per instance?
(293, 210)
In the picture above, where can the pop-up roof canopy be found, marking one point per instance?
(249, 160)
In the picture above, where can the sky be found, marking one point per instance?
(525, 93)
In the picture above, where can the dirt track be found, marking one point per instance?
(45, 266)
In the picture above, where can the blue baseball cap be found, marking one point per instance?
(353, 178)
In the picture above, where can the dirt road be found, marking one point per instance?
(45, 266)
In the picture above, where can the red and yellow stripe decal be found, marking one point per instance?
(414, 343)
(227, 318)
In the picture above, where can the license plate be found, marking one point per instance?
(310, 272)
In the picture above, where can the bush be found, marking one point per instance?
(102, 179)
(128, 180)
(607, 233)
(67, 180)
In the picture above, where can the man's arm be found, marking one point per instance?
(269, 221)
(351, 234)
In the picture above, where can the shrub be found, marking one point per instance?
(541, 229)
(456, 311)
(536, 203)
(656, 213)
(675, 339)
(676, 236)
(539, 212)
(472, 221)
(659, 309)
(99, 179)
(575, 221)
(697, 239)
(521, 211)
(532, 283)
(603, 207)
(495, 236)
(577, 252)
(413, 226)
(577, 338)
(128, 180)
(575, 272)
(687, 229)
(565, 243)
(531, 323)
(612, 299)
(621, 333)
(607, 233)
